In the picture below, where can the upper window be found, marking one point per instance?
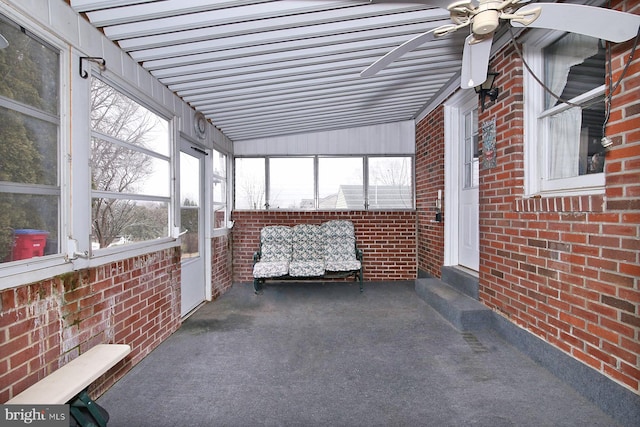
(291, 183)
(390, 183)
(471, 155)
(340, 183)
(324, 183)
(30, 197)
(219, 189)
(130, 170)
(250, 184)
(570, 156)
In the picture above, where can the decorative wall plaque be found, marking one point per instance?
(489, 159)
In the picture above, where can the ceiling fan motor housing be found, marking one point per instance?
(487, 17)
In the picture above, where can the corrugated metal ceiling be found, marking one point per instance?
(268, 68)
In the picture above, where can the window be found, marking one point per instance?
(250, 183)
(471, 166)
(291, 183)
(219, 190)
(568, 157)
(340, 183)
(130, 170)
(30, 196)
(390, 183)
(323, 182)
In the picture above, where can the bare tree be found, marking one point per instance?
(253, 192)
(115, 167)
(393, 177)
(250, 187)
(394, 172)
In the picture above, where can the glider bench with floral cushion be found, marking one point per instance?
(307, 251)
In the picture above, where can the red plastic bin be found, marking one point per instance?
(28, 243)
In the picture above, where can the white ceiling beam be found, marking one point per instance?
(332, 125)
(312, 82)
(247, 34)
(314, 89)
(261, 68)
(88, 5)
(335, 96)
(327, 121)
(310, 48)
(303, 125)
(240, 69)
(230, 60)
(166, 8)
(222, 29)
(419, 66)
(252, 13)
(368, 101)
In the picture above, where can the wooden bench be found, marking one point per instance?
(69, 383)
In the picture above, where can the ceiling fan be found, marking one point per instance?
(483, 18)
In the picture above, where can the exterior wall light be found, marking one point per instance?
(487, 89)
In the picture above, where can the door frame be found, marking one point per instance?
(460, 102)
(186, 145)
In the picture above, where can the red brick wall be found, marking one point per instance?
(564, 268)
(567, 268)
(221, 265)
(430, 179)
(388, 239)
(46, 324)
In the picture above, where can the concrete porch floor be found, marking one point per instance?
(324, 354)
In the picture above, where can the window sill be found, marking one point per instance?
(566, 203)
(43, 268)
(33, 270)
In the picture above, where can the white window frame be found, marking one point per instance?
(363, 164)
(107, 255)
(235, 182)
(365, 172)
(35, 269)
(271, 198)
(369, 188)
(535, 127)
(221, 230)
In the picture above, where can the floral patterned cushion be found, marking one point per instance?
(306, 250)
(307, 259)
(307, 243)
(266, 269)
(275, 252)
(347, 265)
(275, 243)
(306, 268)
(340, 246)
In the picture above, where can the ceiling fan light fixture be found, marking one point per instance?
(485, 22)
(487, 18)
(484, 17)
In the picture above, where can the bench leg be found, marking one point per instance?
(83, 400)
(256, 286)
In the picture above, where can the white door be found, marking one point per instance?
(192, 169)
(468, 212)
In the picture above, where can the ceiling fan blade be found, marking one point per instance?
(396, 53)
(475, 61)
(606, 24)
